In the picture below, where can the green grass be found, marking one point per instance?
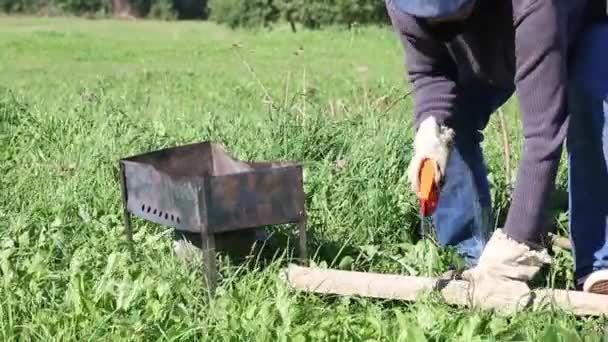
(78, 95)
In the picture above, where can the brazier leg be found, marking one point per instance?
(209, 265)
(125, 210)
(128, 229)
(302, 239)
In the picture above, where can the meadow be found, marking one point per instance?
(77, 95)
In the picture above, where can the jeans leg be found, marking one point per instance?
(587, 144)
(463, 218)
(463, 215)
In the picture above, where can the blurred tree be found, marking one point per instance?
(243, 13)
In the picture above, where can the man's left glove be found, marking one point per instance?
(504, 268)
(433, 142)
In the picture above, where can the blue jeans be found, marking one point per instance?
(587, 145)
(463, 218)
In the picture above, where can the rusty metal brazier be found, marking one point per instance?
(200, 188)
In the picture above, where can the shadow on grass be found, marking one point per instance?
(244, 246)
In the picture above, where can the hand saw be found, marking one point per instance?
(428, 193)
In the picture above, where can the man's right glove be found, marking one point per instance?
(504, 268)
(433, 142)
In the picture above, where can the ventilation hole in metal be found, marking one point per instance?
(143, 207)
(177, 219)
(149, 208)
(166, 216)
(172, 219)
(160, 214)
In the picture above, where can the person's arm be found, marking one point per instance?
(430, 69)
(541, 45)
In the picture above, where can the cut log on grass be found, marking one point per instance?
(455, 292)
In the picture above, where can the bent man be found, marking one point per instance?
(465, 58)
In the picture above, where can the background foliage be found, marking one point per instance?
(312, 14)
(163, 9)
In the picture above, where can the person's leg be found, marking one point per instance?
(587, 144)
(463, 216)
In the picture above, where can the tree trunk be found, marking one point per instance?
(293, 25)
(122, 9)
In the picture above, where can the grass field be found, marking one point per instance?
(78, 95)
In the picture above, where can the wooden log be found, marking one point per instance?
(455, 292)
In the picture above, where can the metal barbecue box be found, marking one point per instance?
(200, 188)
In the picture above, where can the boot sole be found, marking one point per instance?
(600, 287)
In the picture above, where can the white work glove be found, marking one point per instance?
(504, 268)
(434, 142)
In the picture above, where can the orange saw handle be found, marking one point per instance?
(429, 192)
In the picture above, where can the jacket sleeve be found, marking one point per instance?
(429, 67)
(540, 80)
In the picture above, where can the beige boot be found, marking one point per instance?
(504, 268)
(597, 282)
